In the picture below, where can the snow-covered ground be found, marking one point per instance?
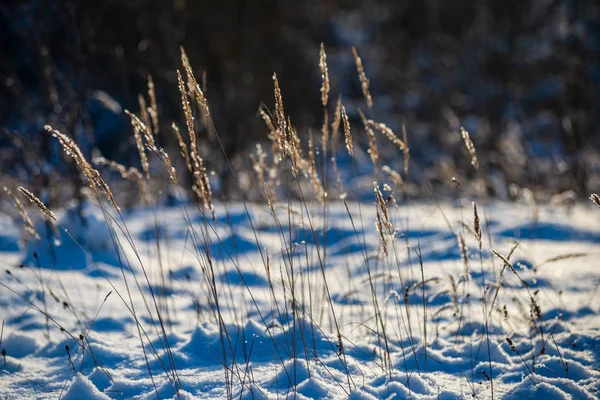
(304, 305)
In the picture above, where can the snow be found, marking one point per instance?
(261, 344)
(82, 388)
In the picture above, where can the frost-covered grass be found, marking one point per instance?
(339, 289)
(273, 333)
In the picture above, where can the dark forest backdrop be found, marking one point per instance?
(521, 75)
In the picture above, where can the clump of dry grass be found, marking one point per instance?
(201, 181)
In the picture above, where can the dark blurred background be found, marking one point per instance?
(521, 75)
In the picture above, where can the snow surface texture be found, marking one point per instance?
(405, 331)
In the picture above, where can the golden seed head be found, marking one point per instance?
(335, 125)
(38, 203)
(471, 147)
(476, 225)
(383, 128)
(373, 150)
(324, 76)
(364, 82)
(347, 133)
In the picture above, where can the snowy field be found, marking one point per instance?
(304, 304)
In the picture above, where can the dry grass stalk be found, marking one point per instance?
(561, 258)
(324, 76)
(325, 132)
(314, 178)
(95, 181)
(258, 164)
(382, 206)
(144, 128)
(294, 151)
(38, 203)
(201, 185)
(394, 176)
(471, 147)
(406, 150)
(183, 147)
(144, 114)
(463, 249)
(280, 118)
(273, 135)
(267, 118)
(153, 110)
(511, 267)
(476, 225)
(373, 151)
(270, 200)
(193, 83)
(595, 198)
(187, 111)
(383, 128)
(137, 134)
(364, 81)
(338, 179)
(297, 146)
(131, 173)
(162, 154)
(380, 230)
(28, 228)
(335, 125)
(383, 224)
(347, 133)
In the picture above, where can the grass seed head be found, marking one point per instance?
(383, 128)
(476, 225)
(364, 82)
(335, 125)
(324, 76)
(373, 150)
(153, 110)
(347, 133)
(183, 147)
(470, 147)
(29, 228)
(38, 203)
